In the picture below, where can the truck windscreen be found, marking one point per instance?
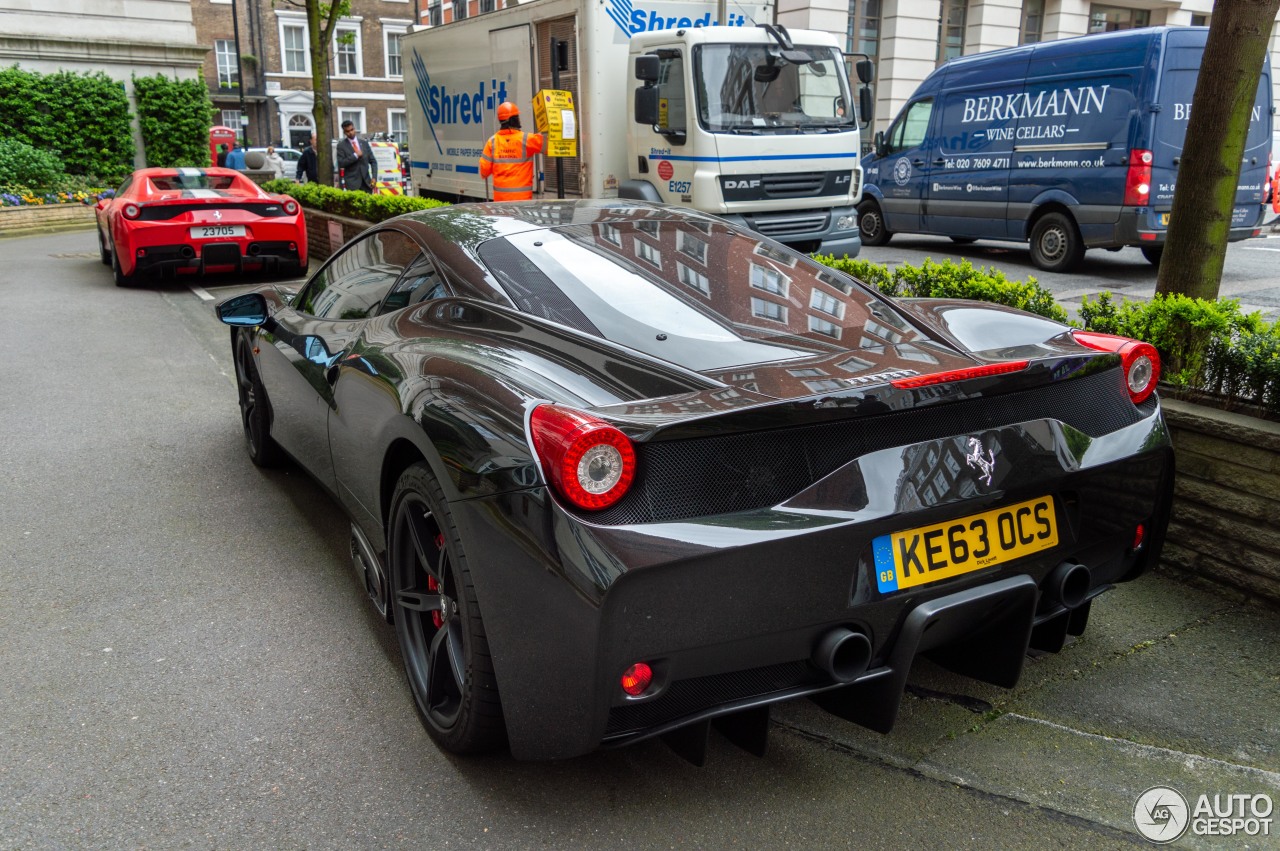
(751, 88)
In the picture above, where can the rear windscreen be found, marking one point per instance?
(179, 182)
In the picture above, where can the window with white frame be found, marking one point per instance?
(231, 118)
(459, 10)
(769, 280)
(768, 310)
(648, 253)
(392, 36)
(827, 328)
(225, 51)
(293, 48)
(826, 303)
(694, 279)
(692, 246)
(435, 13)
(346, 51)
(355, 116)
(611, 234)
(487, 6)
(397, 126)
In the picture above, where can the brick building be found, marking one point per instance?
(365, 76)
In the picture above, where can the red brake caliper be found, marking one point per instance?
(437, 617)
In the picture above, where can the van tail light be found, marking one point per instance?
(1141, 361)
(587, 460)
(1137, 182)
(131, 211)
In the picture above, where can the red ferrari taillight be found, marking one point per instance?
(636, 679)
(1137, 182)
(588, 461)
(290, 207)
(958, 374)
(131, 211)
(1141, 361)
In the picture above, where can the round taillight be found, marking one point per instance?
(290, 207)
(131, 211)
(636, 679)
(1141, 370)
(587, 460)
(1146, 158)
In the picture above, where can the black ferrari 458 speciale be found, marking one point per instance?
(616, 470)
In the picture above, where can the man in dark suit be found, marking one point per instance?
(355, 158)
(308, 163)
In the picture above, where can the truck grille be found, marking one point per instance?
(804, 184)
(788, 225)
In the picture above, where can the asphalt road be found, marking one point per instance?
(189, 662)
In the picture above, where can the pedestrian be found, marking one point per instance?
(222, 155)
(274, 163)
(308, 163)
(235, 157)
(509, 155)
(355, 158)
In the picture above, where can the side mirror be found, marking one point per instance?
(646, 110)
(866, 71)
(245, 310)
(647, 68)
(882, 149)
(866, 106)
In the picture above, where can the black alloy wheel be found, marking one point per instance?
(122, 280)
(1055, 243)
(255, 409)
(103, 252)
(437, 618)
(871, 224)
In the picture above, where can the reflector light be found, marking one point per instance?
(958, 374)
(131, 211)
(1149, 237)
(290, 207)
(1139, 535)
(636, 679)
(591, 463)
(1141, 361)
(1137, 183)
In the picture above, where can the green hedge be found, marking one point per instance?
(81, 118)
(175, 118)
(951, 280)
(354, 205)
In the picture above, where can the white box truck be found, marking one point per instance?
(748, 122)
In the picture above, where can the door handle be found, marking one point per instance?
(940, 161)
(917, 162)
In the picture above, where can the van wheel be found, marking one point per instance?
(1153, 253)
(1055, 243)
(871, 224)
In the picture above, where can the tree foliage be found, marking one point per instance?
(322, 19)
(1209, 170)
(175, 119)
(82, 118)
(25, 166)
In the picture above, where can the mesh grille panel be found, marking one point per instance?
(686, 697)
(794, 185)
(679, 479)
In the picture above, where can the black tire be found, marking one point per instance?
(1055, 243)
(871, 224)
(122, 280)
(964, 240)
(437, 618)
(103, 252)
(255, 409)
(1153, 253)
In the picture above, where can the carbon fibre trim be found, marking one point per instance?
(163, 212)
(679, 479)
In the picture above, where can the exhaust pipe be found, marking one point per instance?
(188, 252)
(1069, 584)
(843, 653)
(254, 248)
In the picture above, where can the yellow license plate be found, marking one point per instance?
(1164, 219)
(933, 553)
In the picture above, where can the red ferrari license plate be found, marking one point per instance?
(215, 231)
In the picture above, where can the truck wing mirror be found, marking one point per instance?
(881, 148)
(866, 106)
(646, 110)
(647, 68)
(866, 70)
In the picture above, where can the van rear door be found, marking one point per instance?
(1184, 51)
(968, 189)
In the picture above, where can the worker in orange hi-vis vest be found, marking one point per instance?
(1275, 190)
(508, 156)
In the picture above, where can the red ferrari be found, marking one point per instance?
(197, 220)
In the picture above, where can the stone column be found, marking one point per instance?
(1065, 18)
(908, 53)
(992, 24)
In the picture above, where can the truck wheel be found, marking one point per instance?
(871, 224)
(1055, 243)
(1153, 253)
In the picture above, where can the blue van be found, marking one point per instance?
(1069, 144)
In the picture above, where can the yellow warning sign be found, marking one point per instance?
(553, 112)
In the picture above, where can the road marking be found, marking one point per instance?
(1259, 248)
(200, 293)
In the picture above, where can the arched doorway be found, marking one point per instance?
(299, 130)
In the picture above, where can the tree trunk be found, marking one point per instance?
(320, 20)
(1209, 171)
